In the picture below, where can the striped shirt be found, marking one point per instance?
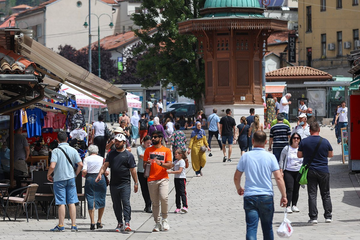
(279, 133)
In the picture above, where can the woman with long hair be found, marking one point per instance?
(255, 126)
(290, 165)
(198, 157)
(134, 120)
(146, 142)
(270, 110)
(95, 192)
(242, 132)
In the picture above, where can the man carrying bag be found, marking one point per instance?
(316, 154)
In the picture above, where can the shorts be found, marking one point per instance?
(229, 138)
(65, 192)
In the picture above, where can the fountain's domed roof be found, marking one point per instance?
(232, 8)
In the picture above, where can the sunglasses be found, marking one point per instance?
(155, 137)
(296, 138)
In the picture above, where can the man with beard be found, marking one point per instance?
(158, 180)
(122, 164)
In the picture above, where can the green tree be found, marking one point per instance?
(169, 56)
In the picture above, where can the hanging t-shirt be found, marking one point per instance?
(49, 120)
(34, 122)
(17, 119)
(50, 137)
(59, 121)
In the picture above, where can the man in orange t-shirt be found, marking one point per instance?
(158, 180)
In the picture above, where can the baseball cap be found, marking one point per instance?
(120, 137)
(302, 115)
(118, 130)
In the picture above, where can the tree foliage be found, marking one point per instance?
(81, 58)
(169, 56)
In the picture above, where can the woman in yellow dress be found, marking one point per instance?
(198, 157)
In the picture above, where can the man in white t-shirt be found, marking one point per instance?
(302, 107)
(160, 105)
(284, 105)
(342, 115)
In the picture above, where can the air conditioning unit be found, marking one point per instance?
(357, 43)
(331, 46)
(347, 45)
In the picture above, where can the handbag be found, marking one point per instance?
(302, 175)
(147, 169)
(107, 180)
(107, 133)
(203, 149)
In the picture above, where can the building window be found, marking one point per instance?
(78, 3)
(323, 45)
(39, 30)
(338, 3)
(322, 5)
(123, 29)
(355, 2)
(355, 37)
(308, 56)
(308, 18)
(130, 28)
(137, 9)
(339, 43)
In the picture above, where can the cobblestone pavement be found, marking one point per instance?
(215, 210)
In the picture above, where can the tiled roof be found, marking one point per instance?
(111, 1)
(42, 5)
(277, 38)
(115, 41)
(11, 62)
(297, 71)
(10, 22)
(22, 6)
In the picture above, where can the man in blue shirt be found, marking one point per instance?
(64, 180)
(318, 173)
(258, 166)
(214, 126)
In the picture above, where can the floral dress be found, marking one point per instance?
(270, 111)
(178, 140)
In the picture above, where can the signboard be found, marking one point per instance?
(344, 144)
(120, 65)
(292, 47)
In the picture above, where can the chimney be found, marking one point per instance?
(283, 56)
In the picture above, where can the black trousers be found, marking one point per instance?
(144, 189)
(322, 180)
(211, 134)
(100, 141)
(180, 189)
(292, 187)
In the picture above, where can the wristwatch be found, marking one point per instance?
(136, 184)
(160, 163)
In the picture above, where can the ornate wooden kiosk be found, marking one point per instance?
(232, 38)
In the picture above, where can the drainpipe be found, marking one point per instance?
(44, 33)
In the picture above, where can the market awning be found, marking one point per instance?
(70, 73)
(274, 89)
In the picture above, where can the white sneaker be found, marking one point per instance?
(295, 209)
(165, 225)
(288, 210)
(328, 220)
(314, 221)
(157, 227)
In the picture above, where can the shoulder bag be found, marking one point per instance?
(67, 157)
(107, 132)
(302, 176)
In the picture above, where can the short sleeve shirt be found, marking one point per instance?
(320, 161)
(63, 170)
(120, 164)
(282, 108)
(258, 166)
(213, 120)
(164, 155)
(177, 165)
(228, 124)
(343, 117)
(99, 129)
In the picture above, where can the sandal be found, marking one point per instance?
(92, 226)
(99, 225)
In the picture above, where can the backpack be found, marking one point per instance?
(143, 124)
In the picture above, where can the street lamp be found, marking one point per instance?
(111, 25)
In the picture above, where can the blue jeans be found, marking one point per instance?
(259, 207)
(277, 153)
(250, 142)
(286, 116)
(340, 125)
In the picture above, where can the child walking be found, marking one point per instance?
(180, 181)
